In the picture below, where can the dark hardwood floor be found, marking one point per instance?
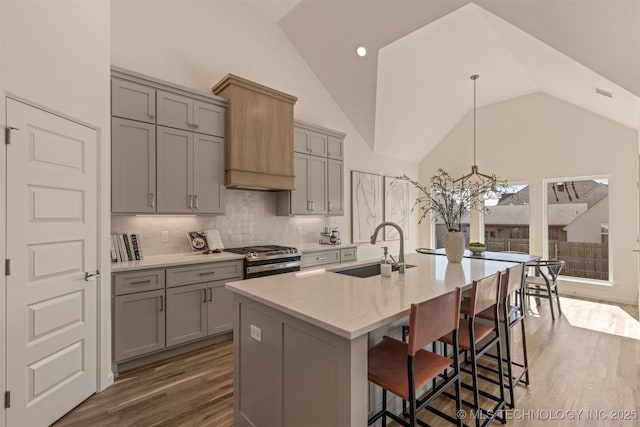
(588, 360)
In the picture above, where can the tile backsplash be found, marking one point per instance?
(250, 219)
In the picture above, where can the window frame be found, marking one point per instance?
(545, 224)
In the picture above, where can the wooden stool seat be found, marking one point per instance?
(388, 366)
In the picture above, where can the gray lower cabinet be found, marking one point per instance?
(160, 308)
(186, 313)
(197, 311)
(219, 309)
(138, 324)
(328, 256)
(133, 166)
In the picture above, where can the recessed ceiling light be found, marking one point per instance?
(361, 51)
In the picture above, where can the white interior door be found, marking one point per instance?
(51, 242)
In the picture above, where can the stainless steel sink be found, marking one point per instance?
(368, 270)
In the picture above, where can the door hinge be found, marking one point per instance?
(7, 134)
(7, 267)
(7, 399)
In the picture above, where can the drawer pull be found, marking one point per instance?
(140, 282)
(208, 273)
(320, 258)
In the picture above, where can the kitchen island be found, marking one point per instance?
(301, 339)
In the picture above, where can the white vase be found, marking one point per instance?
(454, 246)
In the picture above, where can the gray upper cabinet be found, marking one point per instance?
(319, 173)
(190, 172)
(175, 111)
(335, 187)
(181, 112)
(209, 118)
(208, 174)
(133, 101)
(334, 148)
(133, 166)
(175, 170)
(174, 162)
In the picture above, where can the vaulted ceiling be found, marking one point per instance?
(413, 86)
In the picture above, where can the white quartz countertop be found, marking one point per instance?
(161, 261)
(352, 306)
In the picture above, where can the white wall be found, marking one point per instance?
(56, 54)
(196, 43)
(533, 137)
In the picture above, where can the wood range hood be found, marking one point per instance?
(259, 135)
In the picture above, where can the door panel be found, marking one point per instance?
(133, 166)
(208, 174)
(208, 118)
(175, 111)
(139, 324)
(175, 166)
(300, 195)
(335, 187)
(51, 241)
(318, 185)
(133, 101)
(186, 313)
(220, 317)
(318, 144)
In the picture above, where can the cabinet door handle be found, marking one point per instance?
(152, 200)
(195, 125)
(204, 294)
(190, 201)
(329, 206)
(91, 276)
(311, 206)
(210, 294)
(161, 302)
(151, 115)
(195, 198)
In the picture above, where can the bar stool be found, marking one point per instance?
(403, 368)
(485, 294)
(544, 283)
(509, 315)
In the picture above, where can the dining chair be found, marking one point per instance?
(404, 368)
(544, 283)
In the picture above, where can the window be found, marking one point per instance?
(578, 226)
(506, 225)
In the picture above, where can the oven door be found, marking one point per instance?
(271, 267)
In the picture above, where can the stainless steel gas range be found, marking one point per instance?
(267, 260)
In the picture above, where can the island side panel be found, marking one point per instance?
(321, 377)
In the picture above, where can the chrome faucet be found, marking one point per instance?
(400, 262)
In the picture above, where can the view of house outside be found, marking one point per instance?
(577, 221)
(578, 224)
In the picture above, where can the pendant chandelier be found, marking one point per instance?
(476, 176)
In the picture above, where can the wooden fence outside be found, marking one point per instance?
(587, 260)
